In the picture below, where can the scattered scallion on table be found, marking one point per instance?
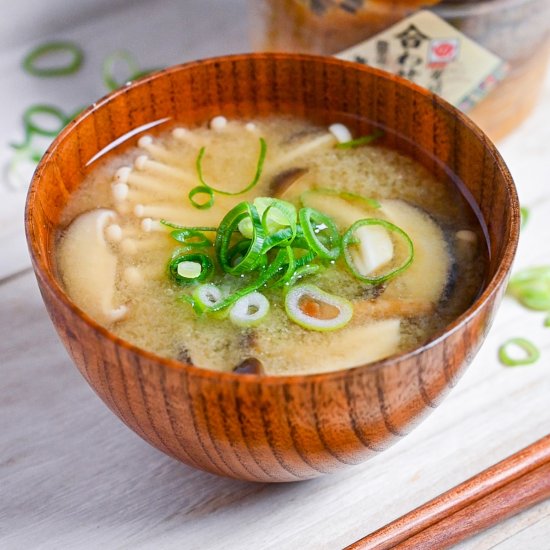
(529, 352)
(133, 71)
(36, 58)
(531, 288)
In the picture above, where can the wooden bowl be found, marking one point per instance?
(267, 428)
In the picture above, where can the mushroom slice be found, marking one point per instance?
(282, 182)
(251, 365)
(383, 307)
(88, 266)
(351, 347)
(427, 276)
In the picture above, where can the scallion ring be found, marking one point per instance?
(301, 272)
(313, 309)
(531, 353)
(524, 216)
(191, 237)
(255, 179)
(194, 228)
(314, 224)
(531, 287)
(42, 52)
(349, 239)
(289, 271)
(263, 277)
(249, 310)
(229, 225)
(107, 70)
(206, 296)
(201, 190)
(32, 126)
(187, 269)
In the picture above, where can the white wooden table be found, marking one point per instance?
(72, 476)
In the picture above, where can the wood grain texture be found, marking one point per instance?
(274, 428)
(489, 497)
(522, 493)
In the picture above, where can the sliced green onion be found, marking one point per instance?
(32, 126)
(352, 197)
(315, 223)
(201, 190)
(530, 351)
(298, 312)
(302, 272)
(276, 214)
(134, 72)
(364, 140)
(289, 271)
(263, 277)
(257, 175)
(307, 257)
(45, 50)
(191, 237)
(206, 296)
(195, 228)
(349, 239)
(197, 268)
(249, 310)
(189, 270)
(229, 225)
(524, 216)
(531, 287)
(547, 321)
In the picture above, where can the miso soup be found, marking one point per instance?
(272, 246)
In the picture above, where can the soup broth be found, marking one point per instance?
(113, 250)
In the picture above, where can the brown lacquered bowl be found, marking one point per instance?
(267, 428)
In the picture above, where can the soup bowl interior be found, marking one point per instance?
(266, 428)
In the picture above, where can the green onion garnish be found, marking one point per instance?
(524, 216)
(134, 72)
(263, 277)
(257, 175)
(349, 239)
(531, 287)
(201, 190)
(32, 126)
(42, 52)
(187, 269)
(364, 140)
(206, 296)
(302, 272)
(191, 237)
(312, 308)
(531, 353)
(321, 233)
(547, 321)
(229, 225)
(267, 244)
(249, 310)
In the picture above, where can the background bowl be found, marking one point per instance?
(274, 428)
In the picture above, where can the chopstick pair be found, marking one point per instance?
(489, 497)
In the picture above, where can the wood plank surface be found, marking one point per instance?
(72, 476)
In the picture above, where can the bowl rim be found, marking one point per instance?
(47, 277)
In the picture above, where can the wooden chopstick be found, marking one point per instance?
(498, 492)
